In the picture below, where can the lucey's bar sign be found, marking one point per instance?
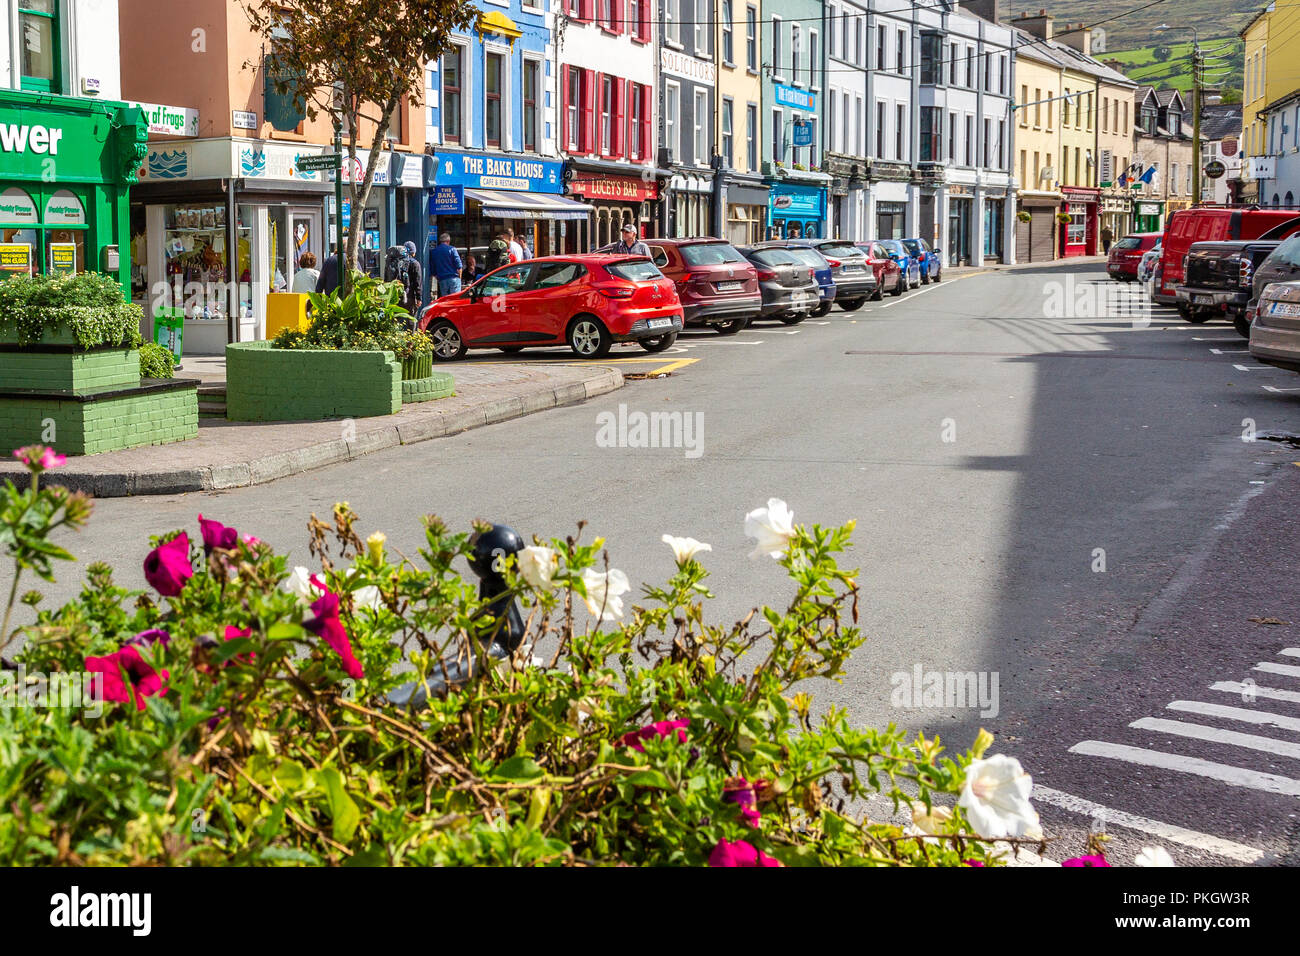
(597, 186)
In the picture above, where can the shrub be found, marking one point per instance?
(90, 304)
(371, 313)
(156, 361)
(247, 717)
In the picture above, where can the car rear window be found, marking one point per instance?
(710, 254)
(809, 257)
(840, 249)
(1128, 242)
(637, 270)
(912, 246)
(774, 257)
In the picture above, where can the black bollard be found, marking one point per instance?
(503, 636)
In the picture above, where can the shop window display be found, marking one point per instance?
(198, 262)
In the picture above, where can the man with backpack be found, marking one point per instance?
(498, 253)
(403, 267)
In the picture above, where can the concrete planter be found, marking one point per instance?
(416, 368)
(265, 384)
(433, 386)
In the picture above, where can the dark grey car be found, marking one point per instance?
(855, 280)
(1282, 265)
(789, 286)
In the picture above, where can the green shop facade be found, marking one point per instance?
(66, 168)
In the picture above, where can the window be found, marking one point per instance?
(970, 67)
(986, 154)
(727, 152)
(702, 145)
(860, 40)
(952, 64)
(1050, 96)
(751, 38)
(776, 47)
(1065, 109)
(673, 21)
(1173, 179)
(1065, 165)
(1002, 144)
(572, 105)
(1038, 108)
(900, 54)
(833, 18)
(1024, 109)
(880, 129)
(847, 135)
(1105, 114)
(493, 80)
(880, 48)
(931, 134)
(702, 18)
(988, 73)
(638, 19)
(635, 113)
(931, 53)
(452, 113)
(605, 15)
(862, 126)
(672, 119)
(728, 28)
(900, 131)
(969, 140)
(510, 279)
(551, 275)
(1088, 109)
(952, 137)
(751, 137)
(812, 60)
(532, 83)
(1023, 182)
(1076, 232)
(778, 144)
(795, 52)
(1002, 74)
(607, 115)
(832, 103)
(38, 26)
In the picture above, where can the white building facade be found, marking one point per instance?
(71, 45)
(846, 118)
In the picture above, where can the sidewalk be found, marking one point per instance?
(1071, 262)
(237, 454)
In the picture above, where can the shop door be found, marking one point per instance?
(1042, 229)
(305, 235)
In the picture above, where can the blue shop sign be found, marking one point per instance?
(803, 134)
(794, 97)
(797, 201)
(489, 171)
(447, 201)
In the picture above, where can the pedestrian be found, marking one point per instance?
(498, 253)
(414, 279)
(796, 232)
(304, 280)
(516, 250)
(328, 281)
(1107, 237)
(628, 244)
(447, 266)
(472, 271)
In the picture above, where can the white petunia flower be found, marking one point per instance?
(604, 592)
(538, 566)
(684, 549)
(367, 597)
(1154, 856)
(932, 821)
(299, 583)
(995, 797)
(772, 527)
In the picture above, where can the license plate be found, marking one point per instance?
(730, 286)
(659, 323)
(851, 269)
(1202, 300)
(1284, 308)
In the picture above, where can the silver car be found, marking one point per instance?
(1275, 331)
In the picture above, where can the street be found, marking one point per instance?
(1064, 505)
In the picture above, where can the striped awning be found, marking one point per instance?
(502, 204)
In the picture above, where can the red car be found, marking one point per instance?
(588, 302)
(717, 285)
(1125, 255)
(889, 274)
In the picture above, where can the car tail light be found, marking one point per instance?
(766, 275)
(615, 291)
(1250, 314)
(1245, 271)
(1184, 265)
(812, 274)
(834, 263)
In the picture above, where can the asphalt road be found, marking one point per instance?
(1065, 502)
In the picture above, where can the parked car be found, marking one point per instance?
(855, 280)
(716, 284)
(1281, 265)
(804, 252)
(889, 276)
(1275, 333)
(1219, 277)
(789, 286)
(927, 259)
(588, 302)
(1211, 224)
(907, 263)
(1147, 264)
(1127, 254)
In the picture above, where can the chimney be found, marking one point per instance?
(1038, 25)
(985, 9)
(1077, 37)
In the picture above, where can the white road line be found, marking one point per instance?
(1261, 717)
(1250, 690)
(1271, 388)
(1165, 831)
(1268, 667)
(782, 331)
(1290, 652)
(1234, 776)
(1250, 368)
(1230, 351)
(734, 342)
(1197, 338)
(827, 323)
(1283, 748)
(909, 296)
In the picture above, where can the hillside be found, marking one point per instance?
(1223, 65)
(1212, 17)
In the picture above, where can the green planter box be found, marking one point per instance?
(416, 368)
(66, 368)
(150, 413)
(264, 384)
(432, 386)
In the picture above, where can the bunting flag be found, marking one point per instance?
(1148, 176)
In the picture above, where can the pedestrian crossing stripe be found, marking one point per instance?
(1233, 776)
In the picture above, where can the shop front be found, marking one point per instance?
(961, 225)
(615, 199)
(796, 211)
(1116, 214)
(1148, 215)
(688, 205)
(217, 225)
(478, 195)
(746, 200)
(1036, 226)
(994, 211)
(68, 166)
(1079, 235)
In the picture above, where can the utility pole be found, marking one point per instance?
(1196, 121)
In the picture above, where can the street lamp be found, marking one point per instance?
(1196, 107)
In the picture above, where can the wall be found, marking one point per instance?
(265, 384)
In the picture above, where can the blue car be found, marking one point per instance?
(931, 267)
(908, 264)
(808, 255)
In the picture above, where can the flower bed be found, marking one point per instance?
(266, 384)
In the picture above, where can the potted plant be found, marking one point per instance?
(86, 310)
(1063, 218)
(1023, 215)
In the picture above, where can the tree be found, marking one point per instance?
(355, 60)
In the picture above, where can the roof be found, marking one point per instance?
(1220, 120)
(1059, 54)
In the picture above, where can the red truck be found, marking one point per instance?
(1208, 224)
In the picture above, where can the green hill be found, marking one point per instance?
(1211, 17)
(1170, 65)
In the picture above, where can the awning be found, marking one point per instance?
(499, 204)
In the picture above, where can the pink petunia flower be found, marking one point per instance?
(658, 729)
(740, 791)
(740, 853)
(167, 567)
(125, 674)
(1085, 861)
(217, 535)
(327, 626)
(39, 457)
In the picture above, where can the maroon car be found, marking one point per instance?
(716, 284)
(1126, 255)
(889, 275)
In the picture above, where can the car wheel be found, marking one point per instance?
(823, 308)
(447, 342)
(659, 343)
(1194, 316)
(937, 276)
(733, 326)
(589, 338)
(1241, 324)
(511, 349)
(851, 305)
(795, 318)
(899, 287)
(925, 277)
(878, 294)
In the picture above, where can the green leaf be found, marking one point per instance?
(342, 809)
(519, 769)
(291, 776)
(285, 631)
(650, 778)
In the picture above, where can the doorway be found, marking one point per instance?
(305, 235)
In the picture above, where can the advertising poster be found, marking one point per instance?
(63, 258)
(169, 329)
(15, 258)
